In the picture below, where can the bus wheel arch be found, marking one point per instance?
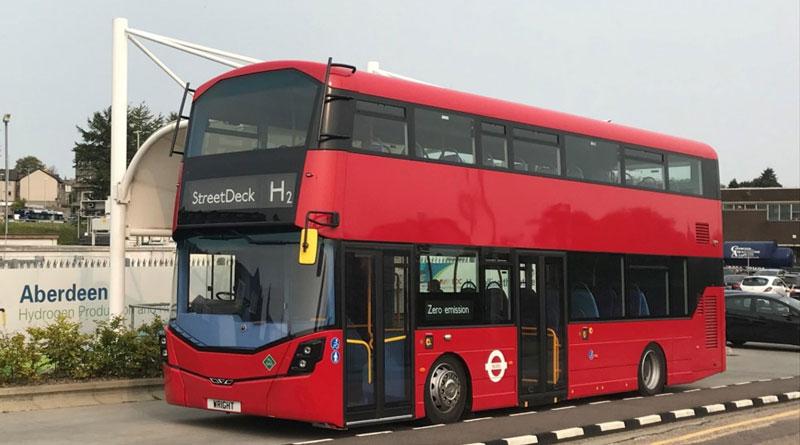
(651, 370)
(448, 389)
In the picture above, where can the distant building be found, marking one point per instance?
(762, 214)
(41, 188)
(7, 197)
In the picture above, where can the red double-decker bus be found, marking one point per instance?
(355, 248)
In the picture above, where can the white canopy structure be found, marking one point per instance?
(143, 194)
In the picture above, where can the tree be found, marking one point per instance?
(28, 164)
(18, 204)
(768, 178)
(93, 153)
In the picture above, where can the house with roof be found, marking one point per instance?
(41, 188)
(7, 197)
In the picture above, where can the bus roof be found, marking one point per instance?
(438, 97)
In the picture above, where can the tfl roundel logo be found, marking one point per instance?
(496, 366)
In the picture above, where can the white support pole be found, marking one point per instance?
(158, 62)
(227, 54)
(119, 142)
(172, 44)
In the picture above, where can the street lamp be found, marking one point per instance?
(6, 118)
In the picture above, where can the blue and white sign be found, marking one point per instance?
(591, 354)
(335, 343)
(335, 357)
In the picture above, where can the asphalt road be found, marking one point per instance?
(754, 370)
(769, 425)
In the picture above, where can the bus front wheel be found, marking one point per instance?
(652, 371)
(446, 391)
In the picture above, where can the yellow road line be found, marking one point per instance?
(706, 432)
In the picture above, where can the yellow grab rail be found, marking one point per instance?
(394, 339)
(556, 356)
(352, 341)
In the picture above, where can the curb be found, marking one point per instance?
(65, 395)
(617, 426)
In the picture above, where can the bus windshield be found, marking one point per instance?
(246, 290)
(259, 111)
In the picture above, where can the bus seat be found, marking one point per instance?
(608, 302)
(583, 304)
(497, 304)
(637, 303)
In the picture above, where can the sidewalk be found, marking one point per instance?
(63, 395)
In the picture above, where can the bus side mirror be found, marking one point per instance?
(309, 239)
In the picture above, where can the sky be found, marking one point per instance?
(726, 73)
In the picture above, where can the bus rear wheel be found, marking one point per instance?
(446, 391)
(652, 371)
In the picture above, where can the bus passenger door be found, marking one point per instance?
(542, 323)
(377, 341)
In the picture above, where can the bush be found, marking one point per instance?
(60, 351)
(121, 352)
(65, 347)
(20, 361)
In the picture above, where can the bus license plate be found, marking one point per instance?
(225, 405)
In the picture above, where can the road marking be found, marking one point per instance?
(522, 413)
(692, 390)
(681, 413)
(477, 419)
(719, 386)
(764, 380)
(633, 398)
(716, 408)
(647, 420)
(521, 440)
(428, 426)
(568, 433)
(742, 383)
(709, 431)
(793, 395)
(664, 394)
(308, 442)
(611, 426)
(787, 378)
(769, 399)
(563, 407)
(599, 402)
(374, 433)
(742, 403)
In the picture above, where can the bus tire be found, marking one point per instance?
(652, 371)
(446, 391)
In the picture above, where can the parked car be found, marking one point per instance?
(770, 272)
(761, 317)
(793, 282)
(734, 281)
(765, 284)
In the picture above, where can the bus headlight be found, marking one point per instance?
(162, 343)
(306, 357)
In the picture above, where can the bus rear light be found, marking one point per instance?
(306, 357)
